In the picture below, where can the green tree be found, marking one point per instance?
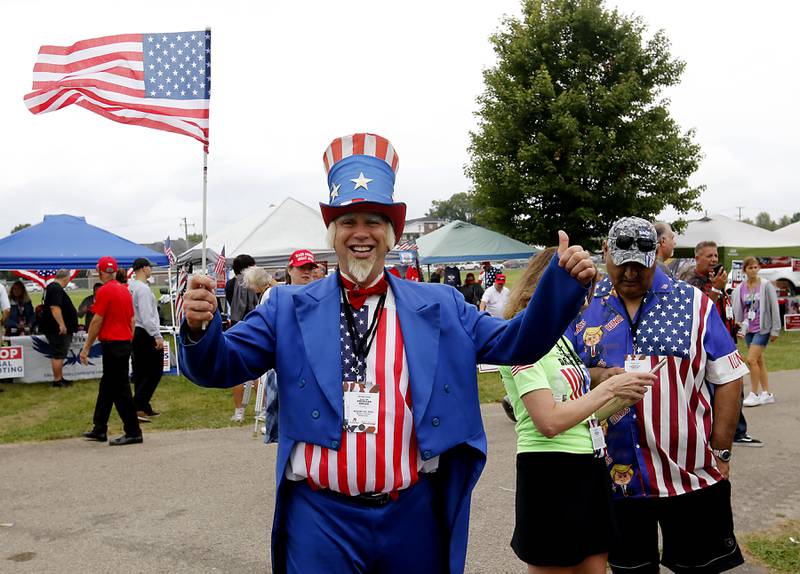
(788, 220)
(20, 226)
(194, 238)
(574, 131)
(459, 206)
(765, 221)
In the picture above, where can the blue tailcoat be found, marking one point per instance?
(296, 332)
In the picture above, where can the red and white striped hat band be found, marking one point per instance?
(360, 144)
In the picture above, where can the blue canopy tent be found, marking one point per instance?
(67, 241)
(457, 242)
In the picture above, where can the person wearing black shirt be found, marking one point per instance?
(59, 322)
(472, 290)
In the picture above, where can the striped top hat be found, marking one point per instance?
(361, 169)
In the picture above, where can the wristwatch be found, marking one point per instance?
(723, 454)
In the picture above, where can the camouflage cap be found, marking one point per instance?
(632, 240)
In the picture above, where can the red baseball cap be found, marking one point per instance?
(500, 279)
(107, 264)
(302, 257)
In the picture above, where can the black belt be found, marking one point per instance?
(370, 499)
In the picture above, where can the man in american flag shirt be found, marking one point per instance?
(674, 444)
(380, 436)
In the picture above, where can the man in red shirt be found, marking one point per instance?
(113, 324)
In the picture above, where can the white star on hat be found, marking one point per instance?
(335, 191)
(361, 181)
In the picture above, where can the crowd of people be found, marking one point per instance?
(626, 388)
(380, 440)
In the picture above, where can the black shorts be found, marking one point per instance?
(696, 529)
(59, 345)
(563, 508)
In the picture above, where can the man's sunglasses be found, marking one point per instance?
(644, 244)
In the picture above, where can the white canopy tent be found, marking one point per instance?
(735, 239)
(791, 232)
(270, 235)
(726, 232)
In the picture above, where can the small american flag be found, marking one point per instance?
(219, 266)
(160, 81)
(168, 252)
(183, 282)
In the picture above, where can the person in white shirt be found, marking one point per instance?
(147, 351)
(495, 297)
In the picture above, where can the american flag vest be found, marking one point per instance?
(660, 446)
(388, 460)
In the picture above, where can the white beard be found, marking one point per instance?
(360, 269)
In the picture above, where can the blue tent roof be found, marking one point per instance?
(68, 241)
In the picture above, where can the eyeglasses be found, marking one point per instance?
(644, 244)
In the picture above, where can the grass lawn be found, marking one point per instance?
(32, 412)
(776, 549)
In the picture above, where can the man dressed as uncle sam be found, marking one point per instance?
(381, 440)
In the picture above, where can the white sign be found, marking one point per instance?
(12, 364)
(166, 366)
(791, 322)
(37, 355)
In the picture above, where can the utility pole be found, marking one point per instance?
(740, 207)
(186, 225)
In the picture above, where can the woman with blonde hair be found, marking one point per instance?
(755, 308)
(557, 430)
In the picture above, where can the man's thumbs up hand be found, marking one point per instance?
(575, 260)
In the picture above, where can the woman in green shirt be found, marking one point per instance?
(563, 496)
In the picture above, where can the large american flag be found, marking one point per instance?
(385, 461)
(160, 81)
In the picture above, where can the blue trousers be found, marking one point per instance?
(326, 532)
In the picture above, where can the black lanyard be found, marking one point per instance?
(361, 345)
(634, 325)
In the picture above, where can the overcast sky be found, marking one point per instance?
(288, 77)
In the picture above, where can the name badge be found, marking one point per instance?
(596, 432)
(634, 364)
(361, 407)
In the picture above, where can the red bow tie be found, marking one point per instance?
(356, 296)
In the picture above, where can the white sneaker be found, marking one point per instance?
(751, 400)
(766, 398)
(238, 415)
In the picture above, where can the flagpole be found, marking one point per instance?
(172, 314)
(205, 194)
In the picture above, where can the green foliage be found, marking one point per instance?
(765, 221)
(460, 206)
(19, 227)
(194, 238)
(573, 129)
